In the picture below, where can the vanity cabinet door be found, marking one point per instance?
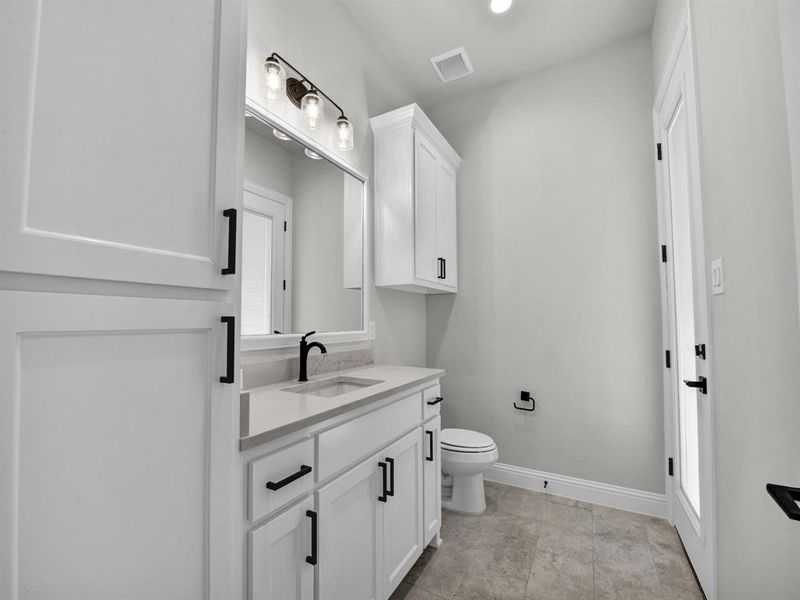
(117, 461)
(278, 556)
(349, 544)
(432, 478)
(120, 149)
(401, 523)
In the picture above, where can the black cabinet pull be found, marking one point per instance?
(430, 445)
(304, 470)
(440, 264)
(231, 268)
(787, 498)
(382, 497)
(701, 384)
(436, 401)
(231, 349)
(312, 558)
(390, 491)
(444, 268)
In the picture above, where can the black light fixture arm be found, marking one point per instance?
(305, 79)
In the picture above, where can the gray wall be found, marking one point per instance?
(756, 335)
(322, 39)
(558, 289)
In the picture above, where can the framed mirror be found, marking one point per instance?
(303, 238)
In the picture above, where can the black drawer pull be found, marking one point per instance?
(430, 445)
(230, 349)
(444, 268)
(231, 268)
(312, 558)
(787, 498)
(436, 401)
(701, 384)
(304, 470)
(382, 465)
(390, 492)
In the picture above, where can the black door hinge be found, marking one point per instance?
(663, 253)
(667, 360)
(658, 150)
(284, 285)
(284, 225)
(669, 467)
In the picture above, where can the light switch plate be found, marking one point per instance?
(717, 277)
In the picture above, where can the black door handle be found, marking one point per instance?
(390, 492)
(231, 349)
(312, 558)
(701, 384)
(436, 401)
(304, 470)
(430, 445)
(231, 268)
(382, 497)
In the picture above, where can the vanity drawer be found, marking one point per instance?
(345, 444)
(431, 401)
(279, 478)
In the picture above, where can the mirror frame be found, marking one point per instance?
(253, 343)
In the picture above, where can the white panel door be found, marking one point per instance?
(279, 549)
(121, 124)
(427, 261)
(349, 545)
(688, 391)
(432, 479)
(446, 222)
(401, 514)
(116, 449)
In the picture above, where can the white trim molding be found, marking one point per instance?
(647, 503)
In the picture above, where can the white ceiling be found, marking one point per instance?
(532, 35)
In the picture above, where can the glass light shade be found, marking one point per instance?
(280, 135)
(344, 134)
(311, 154)
(500, 6)
(311, 105)
(276, 78)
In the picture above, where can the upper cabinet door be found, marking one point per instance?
(446, 222)
(428, 262)
(121, 124)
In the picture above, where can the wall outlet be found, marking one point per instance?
(717, 277)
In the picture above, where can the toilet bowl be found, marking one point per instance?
(465, 456)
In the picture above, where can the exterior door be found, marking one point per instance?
(116, 449)
(349, 548)
(278, 550)
(401, 514)
(688, 390)
(120, 126)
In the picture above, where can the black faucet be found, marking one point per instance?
(304, 348)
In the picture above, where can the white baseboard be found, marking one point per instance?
(647, 503)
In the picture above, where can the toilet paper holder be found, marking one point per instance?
(526, 397)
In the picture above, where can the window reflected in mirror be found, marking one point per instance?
(302, 238)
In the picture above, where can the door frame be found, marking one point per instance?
(683, 49)
(257, 341)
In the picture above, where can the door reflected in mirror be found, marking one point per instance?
(302, 238)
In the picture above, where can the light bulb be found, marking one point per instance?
(280, 135)
(311, 154)
(275, 77)
(344, 134)
(500, 6)
(311, 105)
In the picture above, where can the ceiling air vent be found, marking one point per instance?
(452, 65)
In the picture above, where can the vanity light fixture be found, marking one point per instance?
(311, 154)
(307, 97)
(280, 135)
(500, 6)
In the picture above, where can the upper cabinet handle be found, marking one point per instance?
(231, 349)
(436, 401)
(444, 268)
(231, 214)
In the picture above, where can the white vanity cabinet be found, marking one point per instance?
(415, 204)
(365, 525)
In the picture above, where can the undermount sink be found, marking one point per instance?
(333, 386)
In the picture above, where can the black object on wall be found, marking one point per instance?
(787, 498)
(526, 397)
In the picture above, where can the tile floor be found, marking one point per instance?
(534, 546)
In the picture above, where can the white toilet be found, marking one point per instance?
(465, 456)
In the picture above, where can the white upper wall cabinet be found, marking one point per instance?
(121, 125)
(415, 204)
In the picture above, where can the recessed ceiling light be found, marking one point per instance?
(500, 6)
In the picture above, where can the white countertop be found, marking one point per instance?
(274, 412)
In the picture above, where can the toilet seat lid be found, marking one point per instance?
(464, 440)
